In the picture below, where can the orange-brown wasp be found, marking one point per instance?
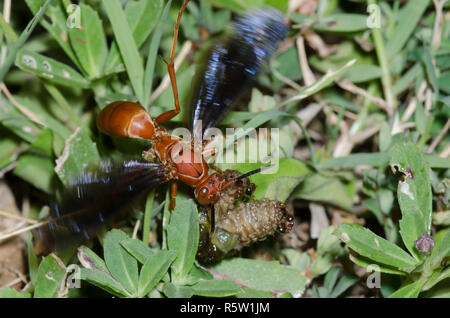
(97, 197)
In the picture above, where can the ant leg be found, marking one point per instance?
(173, 195)
(171, 70)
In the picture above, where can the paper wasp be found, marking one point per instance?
(97, 197)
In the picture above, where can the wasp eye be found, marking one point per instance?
(204, 191)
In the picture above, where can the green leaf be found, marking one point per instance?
(407, 20)
(403, 83)
(152, 54)
(138, 249)
(104, 280)
(51, 272)
(409, 291)
(299, 261)
(9, 148)
(35, 5)
(239, 6)
(39, 114)
(7, 292)
(44, 143)
(275, 183)
(344, 283)
(369, 264)
(216, 288)
(177, 291)
(197, 274)
(320, 84)
(331, 278)
(261, 275)
(414, 193)
(89, 259)
(79, 153)
(342, 22)
(59, 28)
(325, 189)
(430, 70)
(37, 170)
(89, 41)
(254, 293)
(120, 263)
(437, 162)
(436, 277)
(441, 248)
(236, 5)
(12, 119)
(182, 237)
(360, 73)
(153, 270)
(420, 118)
(127, 46)
(444, 82)
(142, 17)
(328, 248)
(50, 69)
(370, 245)
(376, 159)
(385, 137)
(15, 47)
(33, 262)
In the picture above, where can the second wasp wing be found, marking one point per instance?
(95, 199)
(232, 65)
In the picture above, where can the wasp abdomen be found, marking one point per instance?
(126, 119)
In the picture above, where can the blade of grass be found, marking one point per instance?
(9, 32)
(147, 217)
(142, 16)
(152, 53)
(21, 40)
(384, 64)
(127, 46)
(321, 83)
(56, 94)
(407, 18)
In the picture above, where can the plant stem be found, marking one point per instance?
(59, 98)
(8, 30)
(384, 64)
(147, 217)
(21, 40)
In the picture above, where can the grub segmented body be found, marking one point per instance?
(254, 220)
(239, 220)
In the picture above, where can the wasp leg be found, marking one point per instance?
(173, 194)
(164, 117)
(210, 152)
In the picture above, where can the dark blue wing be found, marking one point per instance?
(97, 198)
(232, 64)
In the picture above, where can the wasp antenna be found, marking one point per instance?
(248, 174)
